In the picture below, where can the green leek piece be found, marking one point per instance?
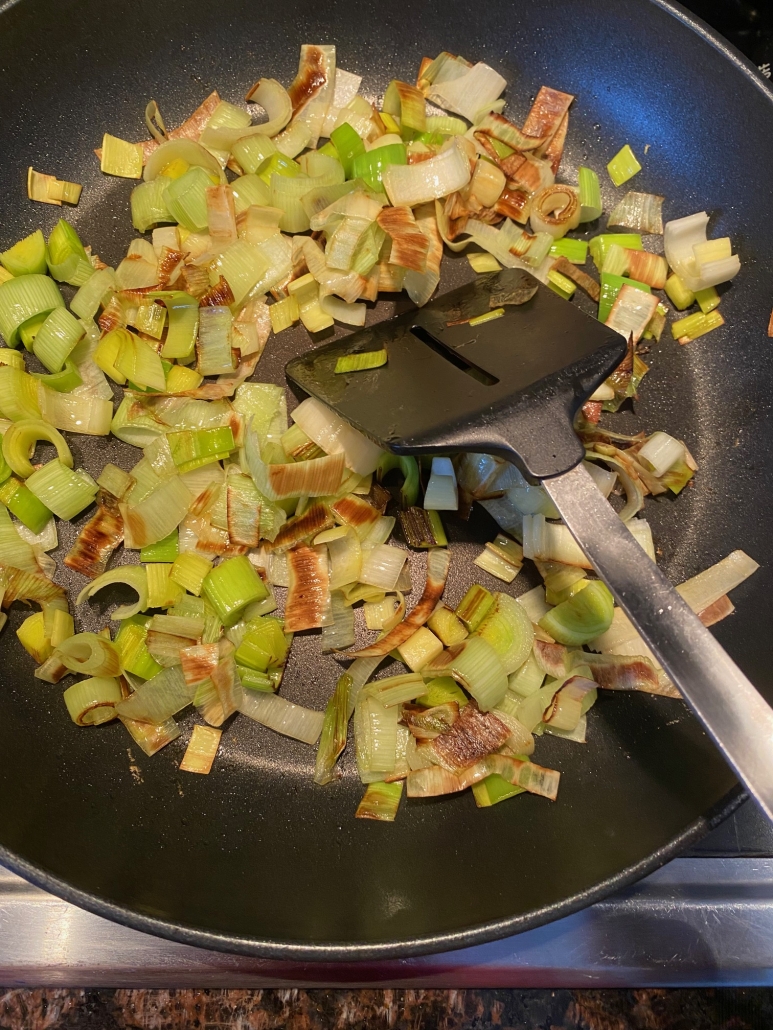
(148, 205)
(678, 293)
(493, 789)
(482, 263)
(600, 244)
(264, 645)
(575, 251)
(24, 298)
(623, 166)
(163, 592)
(121, 158)
(610, 287)
(91, 702)
(502, 149)
(329, 150)
(252, 152)
(433, 139)
(57, 338)
(407, 103)
(446, 124)
(30, 330)
(361, 361)
(28, 256)
(165, 550)
(560, 284)
(192, 448)
(590, 195)
(583, 617)
(22, 503)
(708, 299)
(380, 801)
(65, 491)
(278, 164)
(63, 382)
(107, 351)
(349, 145)
(115, 481)
(186, 199)
(422, 528)
(447, 625)
(67, 259)
(19, 394)
(140, 364)
(489, 316)
(475, 606)
(32, 636)
(231, 586)
(11, 357)
(254, 680)
(248, 191)
(283, 314)
(409, 491)
(130, 643)
(180, 378)
(442, 690)
(190, 570)
(332, 740)
(686, 329)
(183, 323)
(370, 166)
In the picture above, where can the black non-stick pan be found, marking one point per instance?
(256, 858)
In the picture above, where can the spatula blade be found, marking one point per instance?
(509, 386)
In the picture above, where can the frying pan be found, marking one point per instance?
(254, 858)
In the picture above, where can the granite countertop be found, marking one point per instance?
(295, 1009)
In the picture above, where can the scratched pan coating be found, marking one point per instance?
(255, 858)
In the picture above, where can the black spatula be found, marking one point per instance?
(511, 387)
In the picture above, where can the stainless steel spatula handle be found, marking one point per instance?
(735, 715)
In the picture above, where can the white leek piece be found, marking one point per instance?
(442, 493)
(680, 239)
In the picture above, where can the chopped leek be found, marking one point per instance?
(484, 263)
(708, 299)
(590, 196)
(687, 329)
(22, 503)
(474, 606)
(165, 550)
(64, 491)
(186, 199)
(92, 702)
(67, 259)
(678, 293)
(230, 587)
(623, 166)
(573, 250)
(478, 668)
(121, 158)
(24, 298)
(561, 285)
(585, 616)
(422, 528)
(20, 440)
(333, 737)
(360, 361)
(201, 750)
(27, 257)
(380, 801)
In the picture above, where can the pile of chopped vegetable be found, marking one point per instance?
(235, 515)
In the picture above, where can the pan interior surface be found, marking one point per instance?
(254, 857)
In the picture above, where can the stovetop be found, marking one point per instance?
(704, 919)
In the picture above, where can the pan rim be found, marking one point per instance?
(368, 951)
(361, 952)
